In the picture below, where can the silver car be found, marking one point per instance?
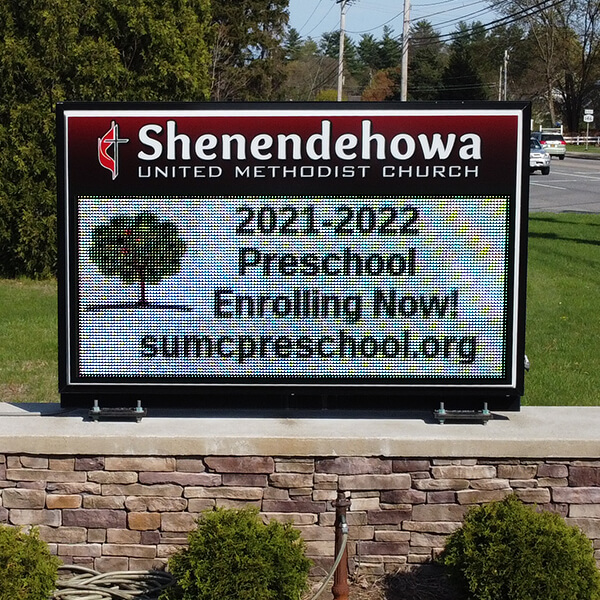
(539, 159)
(554, 143)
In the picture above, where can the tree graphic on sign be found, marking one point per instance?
(138, 248)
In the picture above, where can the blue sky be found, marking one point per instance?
(314, 17)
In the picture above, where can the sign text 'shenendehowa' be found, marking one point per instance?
(318, 146)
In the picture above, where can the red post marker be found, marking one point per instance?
(340, 587)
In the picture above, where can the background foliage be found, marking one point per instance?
(551, 51)
(101, 50)
(112, 50)
(247, 50)
(243, 50)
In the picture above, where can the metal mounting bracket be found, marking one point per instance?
(442, 415)
(97, 412)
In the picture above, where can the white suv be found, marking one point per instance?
(553, 143)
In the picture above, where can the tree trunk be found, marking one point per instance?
(550, 93)
(142, 301)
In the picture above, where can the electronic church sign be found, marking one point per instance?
(358, 251)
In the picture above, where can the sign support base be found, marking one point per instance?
(442, 415)
(122, 412)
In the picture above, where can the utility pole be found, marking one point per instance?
(340, 83)
(405, 34)
(506, 57)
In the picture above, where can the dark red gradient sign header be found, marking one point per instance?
(405, 149)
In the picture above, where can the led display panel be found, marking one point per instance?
(355, 250)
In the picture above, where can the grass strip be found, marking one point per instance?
(591, 149)
(28, 341)
(563, 301)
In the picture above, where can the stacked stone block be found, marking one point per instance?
(129, 513)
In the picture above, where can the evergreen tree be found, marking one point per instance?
(292, 44)
(330, 46)
(248, 62)
(390, 50)
(425, 62)
(460, 79)
(353, 68)
(368, 50)
(489, 52)
(55, 50)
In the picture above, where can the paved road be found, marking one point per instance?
(573, 185)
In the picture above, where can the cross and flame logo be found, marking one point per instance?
(108, 149)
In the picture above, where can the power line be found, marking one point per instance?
(328, 77)
(438, 3)
(505, 20)
(464, 86)
(487, 9)
(494, 24)
(502, 21)
(378, 26)
(462, 18)
(324, 17)
(311, 16)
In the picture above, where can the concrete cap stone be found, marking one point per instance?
(533, 432)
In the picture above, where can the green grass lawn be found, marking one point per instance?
(581, 148)
(563, 306)
(563, 321)
(28, 344)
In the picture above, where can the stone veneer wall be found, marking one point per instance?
(122, 512)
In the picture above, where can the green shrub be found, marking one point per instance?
(508, 551)
(233, 555)
(27, 569)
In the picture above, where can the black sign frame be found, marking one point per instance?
(303, 392)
